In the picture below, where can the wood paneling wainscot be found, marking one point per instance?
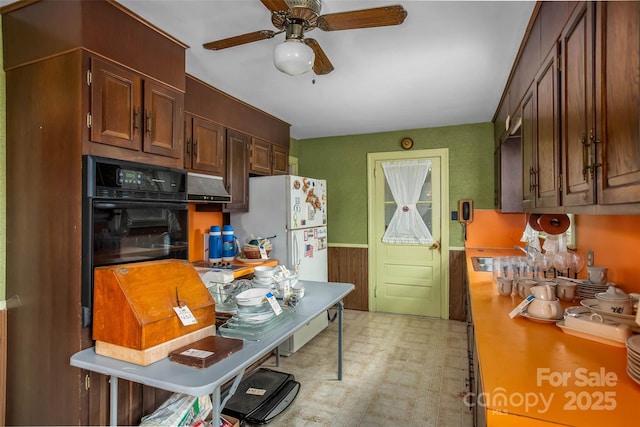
(457, 280)
(351, 265)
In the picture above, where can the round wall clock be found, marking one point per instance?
(406, 143)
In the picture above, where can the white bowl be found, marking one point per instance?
(263, 271)
(253, 296)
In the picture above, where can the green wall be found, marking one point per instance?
(342, 161)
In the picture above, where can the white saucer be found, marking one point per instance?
(538, 319)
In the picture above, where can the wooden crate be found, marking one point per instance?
(133, 303)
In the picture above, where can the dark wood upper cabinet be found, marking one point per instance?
(268, 158)
(280, 164)
(205, 146)
(131, 112)
(527, 136)
(547, 154)
(618, 102)
(576, 47)
(237, 177)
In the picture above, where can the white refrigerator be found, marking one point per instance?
(294, 210)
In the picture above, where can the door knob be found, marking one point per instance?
(435, 245)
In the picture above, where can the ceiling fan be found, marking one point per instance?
(298, 54)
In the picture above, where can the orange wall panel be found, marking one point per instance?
(614, 239)
(491, 229)
(199, 223)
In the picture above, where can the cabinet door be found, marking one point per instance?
(528, 150)
(188, 140)
(617, 101)
(547, 191)
(260, 156)
(208, 147)
(116, 105)
(577, 110)
(280, 160)
(163, 120)
(237, 171)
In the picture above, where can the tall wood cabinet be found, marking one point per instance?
(50, 49)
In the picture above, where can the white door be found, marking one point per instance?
(409, 278)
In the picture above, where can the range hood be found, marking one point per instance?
(206, 189)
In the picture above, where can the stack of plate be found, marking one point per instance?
(587, 290)
(633, 357)
(262, 282)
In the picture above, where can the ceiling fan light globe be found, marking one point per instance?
(293, 57)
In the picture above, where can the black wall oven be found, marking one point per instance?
(131, 212)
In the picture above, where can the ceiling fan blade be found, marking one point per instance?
(276, 5)
(365, 18)
(321, 64)
(241, 39)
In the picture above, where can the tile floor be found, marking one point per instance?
(397, 370)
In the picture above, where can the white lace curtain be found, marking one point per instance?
(405, 179)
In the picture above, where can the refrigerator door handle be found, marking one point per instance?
(296, 253)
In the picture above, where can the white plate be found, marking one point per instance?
(537, 319)
(633, 376)
(588, 336)
(634, 368)
(633, 343)
(251, 260)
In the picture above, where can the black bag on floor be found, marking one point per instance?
(261, 396)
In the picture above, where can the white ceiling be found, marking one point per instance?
(447, 64)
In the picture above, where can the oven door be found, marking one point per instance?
(120, 232)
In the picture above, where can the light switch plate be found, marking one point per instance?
(590, 258)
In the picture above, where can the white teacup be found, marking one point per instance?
(566, 290)
(523, 287)
(505, 285)
(597, 274)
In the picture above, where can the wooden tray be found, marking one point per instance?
(205, 352)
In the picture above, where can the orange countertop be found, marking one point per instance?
(535, 374)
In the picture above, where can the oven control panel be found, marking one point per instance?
(126, 178)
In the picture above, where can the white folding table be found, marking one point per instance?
(178, 378)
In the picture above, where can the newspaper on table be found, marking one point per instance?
(179, 410)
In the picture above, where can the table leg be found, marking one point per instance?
(340, 310)
(217, 406)
(113, 401)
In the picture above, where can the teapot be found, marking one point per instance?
(545, 305)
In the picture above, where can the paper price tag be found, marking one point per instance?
(256, 391)
(185, 315)
(274, 304)
(520, 308)
(194, 352)
(263, 252)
